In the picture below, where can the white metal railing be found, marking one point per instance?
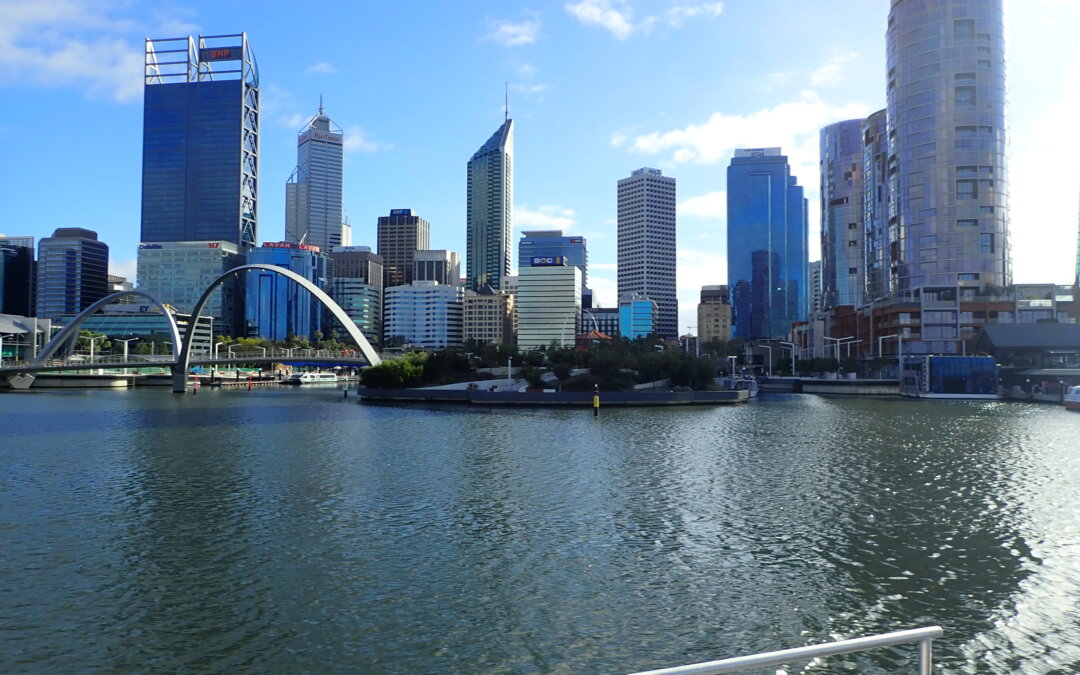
(924, 636)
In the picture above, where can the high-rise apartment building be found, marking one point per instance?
(489, 209)
(877, 203)
(946, 107)
(400, 235)
(714, 314)
(17, 276)
(313, 212)
(646, 243)
(178, 272)
(842, 214)
(200, 140)
(767, 237)
(73, 270)
(815, 304)
(438, 265)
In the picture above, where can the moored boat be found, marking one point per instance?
(1072, 398)
(312, 378)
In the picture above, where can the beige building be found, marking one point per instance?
(488, 316)
(714, 314)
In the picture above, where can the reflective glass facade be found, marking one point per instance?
(876, 206)
(73, 270)
(552, 243)
(16, 278)
(842, 214)
(947, 134)
(177, 273)
(637, 317)
(768, 265)
(276, 307)
(489, 209)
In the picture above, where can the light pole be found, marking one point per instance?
(899, 353)
(126, 341)
(509, 365)
(768, 371)
(166, 342)
(791, 346)
(231, 347)
(838, 341)
(217, 350)
(92, 338)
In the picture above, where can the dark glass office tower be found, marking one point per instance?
(768, 267)
(17, 275)
(73, 270)
(947, 136)
(843, 271)
(489, 209)
(551, 243)
(200, 140)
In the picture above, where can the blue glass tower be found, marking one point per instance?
(552, 243)
(767, 245)
(489, 209)
(275, 307)
(200, 140)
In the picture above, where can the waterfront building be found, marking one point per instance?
(313, 207)
(488, 316)
(600, 319)
(423, 314)
(714, 314)
(489, 209)
(177, 273)
(946, 108)
(400, 235)
(275, 307)
(552, 243)
(843, 267)
(200, 140)
(646, 243)
(637, 316)
(121, 321)
(17, 276)
(767, 238)
(22, 337)
(548, 303)
(357, 286)
(877, 204)
(815, 304)
(440, 266)
(72, 274)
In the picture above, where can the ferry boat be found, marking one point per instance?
(1072, 398)
(312, 378)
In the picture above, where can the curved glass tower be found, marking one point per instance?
(947, 137)
(842, 213)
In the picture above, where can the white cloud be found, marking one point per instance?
(123, 268)
(294, 120)
(510, 34)
(617, 16)
(321, 68)
(709, 206)
(831, 73)
(603, 266)
(605, 289)
(525, 69)
(356, 140)
(69, 43)
(549, 217)
(698, 268)
(529, 89)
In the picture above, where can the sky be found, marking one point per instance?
(597, 88)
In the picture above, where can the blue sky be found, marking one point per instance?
(597, 88)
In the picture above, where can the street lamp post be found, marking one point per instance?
(791, 346)
(92, 338)
(126, 341)
(768, 370)
(899, 353)
(838, 341)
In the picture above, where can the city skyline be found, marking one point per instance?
(569, 98)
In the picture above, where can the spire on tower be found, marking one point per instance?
(506, 101)
(320, 104)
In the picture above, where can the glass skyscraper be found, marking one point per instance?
(552, 243)
(276, 307)
(842, 213)
(313, 213)
(877, 203)
(200, 140)
(767, 245)
(646, 246)
(947, 135)
(489, 209)
(73, 270)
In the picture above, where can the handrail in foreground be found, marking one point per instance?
(924, 636)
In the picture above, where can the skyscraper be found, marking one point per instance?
(440, 266)
(177, 273)
(489, 209)
(357, 287)
(313, 213)
(17, 275)
(200, 140)
(843, 214)
(551, 243)
(947, 134)
(646, 247)
(767, 241)
(73, 270)
(275, 307)
(400, 235)
(877, 202)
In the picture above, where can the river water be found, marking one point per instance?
(295, 531)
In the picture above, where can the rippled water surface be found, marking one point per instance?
(294, 531)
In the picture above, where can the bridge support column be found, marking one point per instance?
(179, 379)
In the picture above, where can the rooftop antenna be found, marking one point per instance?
(506, 101)
(320, 104)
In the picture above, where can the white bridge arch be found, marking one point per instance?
(72, 329)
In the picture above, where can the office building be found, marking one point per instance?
(946, 108)
(489, 209)
(275, 307)
(488, 316)
(200, 140)
(600, 319)
(552, 243)
(17, 276)
(357, 286)
(440, 266)
(400, 235)
(313, 211)
(637, 316)
(423, 314)
(177, 273)
(877, 201)
(73, 269)
(548, 303)
(148, 325)
(646, 243)
(714, 314)
(767, 237)
(843, 265)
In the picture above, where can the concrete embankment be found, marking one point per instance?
(844, 387)
(551, 398)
